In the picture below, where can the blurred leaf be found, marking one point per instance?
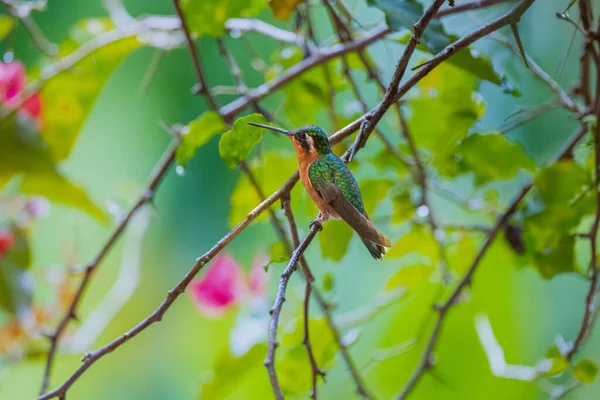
(279, 253)
(562, 198)
(307, 95)
(271, 170)
(328, 282)
(410, 277)
(7, 24)
(24, 152)
(585, 371)
(419, 240)
(199, 132)
(492, 157)
(68, 97)
(403, 208)
(230, 370)
(16, 284)
(443, 113)
(403, 14)
(283, 9)
(470, 60)
(334, 239)
(237, 143)
(462, 253)
(208, 17)
(559, 362)
(556, 257)
(373, 191)
(385, 159)
(293, 367)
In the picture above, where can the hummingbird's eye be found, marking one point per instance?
(301, 136)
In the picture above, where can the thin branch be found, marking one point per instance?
(590, 311)
(202, 88)
(392, 90)
(277, 306)
(160, 171)
(473, 5)
(308, 276)
(258, 26)
(426, 362)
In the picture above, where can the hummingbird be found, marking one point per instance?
(331, 185)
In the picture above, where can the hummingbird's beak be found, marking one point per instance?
(271, 128)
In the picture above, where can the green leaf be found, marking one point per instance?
(403, 14)
(237, 143)
(410, 277)
(283, 9)
(373, 191)
(230, 370)
(328, 282)
(462, 253)
(68, 97)
(585, 371)
(278, 253)
(443, 113)
(271, 170)
(419, 240)
(334, 239)
(208, 17)
(198, 133)
(7, 24)
(556, 258)
(492, 157)
(23, 152)
(403, 208)
(16, 284)
(470, 60)
(559, 362)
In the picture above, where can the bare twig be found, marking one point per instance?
(277, 306)
(202, 88)
(316, 371)
(71, 313)
(473, 5)
(392, 90)
(256, 25)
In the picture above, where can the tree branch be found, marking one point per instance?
(160, 171)
(473, 5)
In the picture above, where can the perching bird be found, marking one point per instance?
(331, 185)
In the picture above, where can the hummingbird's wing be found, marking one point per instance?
(336, 185)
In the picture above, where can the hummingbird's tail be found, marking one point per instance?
(375, 248)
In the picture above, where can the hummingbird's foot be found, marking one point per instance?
(316, 223)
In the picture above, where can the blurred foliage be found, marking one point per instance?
(385, 310)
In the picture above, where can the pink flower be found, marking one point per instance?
(12, 82)
(7, 240)
(225, 284)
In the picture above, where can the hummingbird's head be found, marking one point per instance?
(309, 140)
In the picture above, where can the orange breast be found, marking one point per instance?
(303, 164)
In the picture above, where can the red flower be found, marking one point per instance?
(7, 240)
(12, 82)
(225, 284)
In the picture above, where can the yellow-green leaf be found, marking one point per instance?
(208, 17)
(68, 97)
(334, 239)
(559, 362)
(230, 370)
(419, 240)
(6, 25)
(585, 371)
(410, 277)
(271, 169)
(198, 133)
(237, 143)
(373, 191)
